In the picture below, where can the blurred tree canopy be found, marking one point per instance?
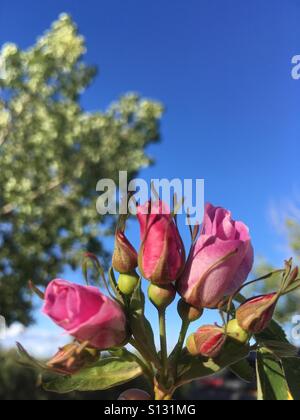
(293, 227)
(52, 153)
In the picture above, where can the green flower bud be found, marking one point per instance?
(127, 283)
(188, 312)
(236, 332)
(161, 296)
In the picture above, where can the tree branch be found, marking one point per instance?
(9, 208)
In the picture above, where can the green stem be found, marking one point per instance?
(183, 332)
(147, 369)
(145, 354)
(163, 341)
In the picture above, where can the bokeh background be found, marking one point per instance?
(210, 79)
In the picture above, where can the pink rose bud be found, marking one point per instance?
(255, 315)
(220, 261)
(125, 258)
(294, 274)
(208, 341)
(134, 395)
(86, 314)
(162, 254)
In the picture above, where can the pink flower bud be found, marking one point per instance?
(220, 261)
(125, 256)
(86, 314)
(294, 274)
(208, 341)
(162, 255)
(255, 315)
(134, 395)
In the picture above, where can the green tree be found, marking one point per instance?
(293, 228)
(52, 153)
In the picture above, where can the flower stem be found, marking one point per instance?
(163, 341)
(183, 332)
(147, 369)
(145, 354)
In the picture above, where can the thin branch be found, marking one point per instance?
(9, 208)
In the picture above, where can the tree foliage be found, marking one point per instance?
(52, 153)
(293, 226)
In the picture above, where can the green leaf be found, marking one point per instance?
(291, 369)
(192, 368)
(272, 383)
(280, 349)
(29, 361)
(105, 374)
(274, 332)
(137, 301)
(243, 370)
(140, 326)
(275, 340)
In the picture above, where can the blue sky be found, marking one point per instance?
(223, 71)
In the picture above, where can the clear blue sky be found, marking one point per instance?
(223, 70)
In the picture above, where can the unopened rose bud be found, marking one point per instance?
(255, 314)
(208, 341)
(236, 332)
(127, 283)
(161, 296)
(125, 259)
(220, 260)
(188, 312)
(162, 254)
(134, 395)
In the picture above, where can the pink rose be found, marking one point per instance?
(256, 314)
(85, 313)
(162, 255)
(207, 341)
(220, 261)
